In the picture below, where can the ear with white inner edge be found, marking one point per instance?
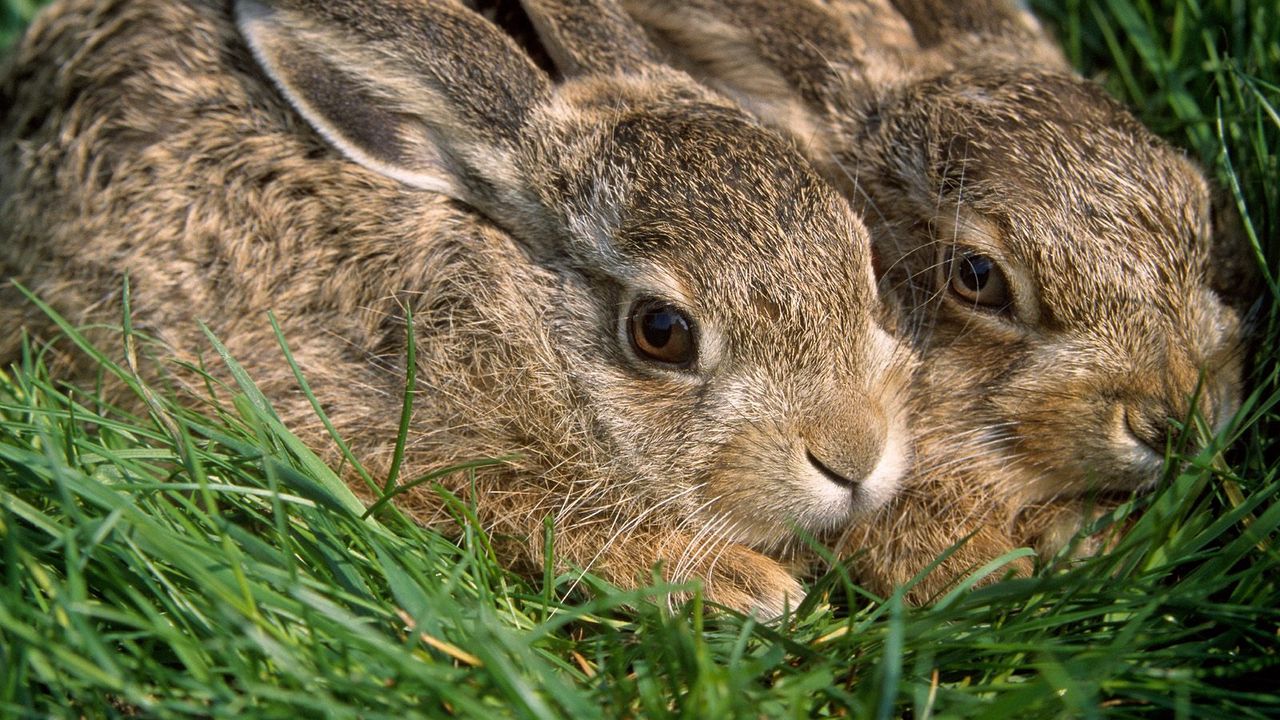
(427, 93)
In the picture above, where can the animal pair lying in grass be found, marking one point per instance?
(885, 277)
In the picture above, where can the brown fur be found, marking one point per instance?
(980, 137)
(143, 137)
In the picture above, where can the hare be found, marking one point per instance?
(1055, 263)
(647, 299)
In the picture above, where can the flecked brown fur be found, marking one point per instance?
(143, 137)
(974, 135)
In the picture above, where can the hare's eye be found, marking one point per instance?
(662, 333)
(976, 279)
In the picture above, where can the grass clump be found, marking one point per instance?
(204, 564)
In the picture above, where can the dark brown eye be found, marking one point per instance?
(976, 279)
(662, 333)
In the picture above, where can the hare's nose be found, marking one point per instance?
(846, 455)
(834, 476)
(1150, 421)
(1149, 425)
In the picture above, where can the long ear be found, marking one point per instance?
(788, 63)
(757, 47)
(425, 92)
(591, 36)
(957, 27)
(877, 19)
(934, 20)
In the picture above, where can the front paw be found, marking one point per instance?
(744, 580)
(883, 563)
(1052, 527)
(731, 574)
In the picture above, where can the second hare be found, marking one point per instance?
(1056, 264)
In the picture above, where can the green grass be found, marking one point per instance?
(13, 15)
(181, 564)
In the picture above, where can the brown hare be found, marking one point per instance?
(1055, 263)
(621, 279)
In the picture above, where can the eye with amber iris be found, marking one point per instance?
(661, 332)
(977, 280)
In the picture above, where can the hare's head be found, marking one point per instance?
(712, 299)
(1055, 261)
(1060, 261)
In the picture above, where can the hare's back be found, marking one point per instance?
(139, 138)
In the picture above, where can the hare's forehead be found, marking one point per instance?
(1140, 217)
(726, 206)
(727, 255)
(1076, 143)
(696, 153)
(694, 194)
(1122, 222)
(1107, 172)
(779, 275)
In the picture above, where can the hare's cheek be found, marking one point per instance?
(764, 487)
(1070, 440)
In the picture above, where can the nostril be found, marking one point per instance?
(1149, 428)
(832, 475)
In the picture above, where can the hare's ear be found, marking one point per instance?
(957, 27)
(425, 92)
(780, 60)
(591, 36)
(935, 21)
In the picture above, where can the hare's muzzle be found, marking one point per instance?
(1148, 426)
(862, 453)
(1154, 425)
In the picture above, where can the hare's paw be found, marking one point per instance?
(747, 581)
(897, 561)
(987, 543)
(1053, 526)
